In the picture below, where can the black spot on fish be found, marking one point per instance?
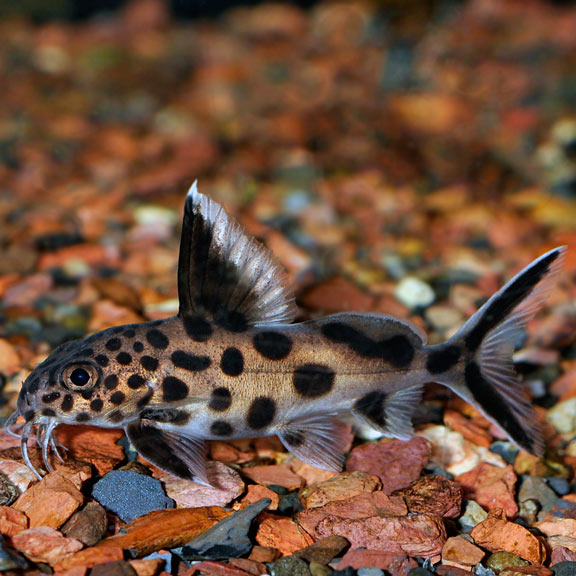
(113, 344)
(118, 397)
(495, 405)
(87, 394)
(33, 386)
(397, 350)
(48, 412)
(442, 359)
(157, 339)
(173, 389)
(231, 320)
(313, 380)
(221, 399)
(138, 346)
(111, 382)
(96, 405)
(272, 345)
(83, 417)
(67, 403)
(373, 407)
(190, 362)
(129, 333)
(124, 358)
(86, 352)
(116, 330)
(102, 360)
(221, 428)
(501, 306)
(294, 438)
(29, 415)
(232, 362)
(136, 381)
(47, 398)
(116, 416)
(197, 328)
(149, 363)
(261, 413)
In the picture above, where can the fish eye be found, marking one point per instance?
(80, 376)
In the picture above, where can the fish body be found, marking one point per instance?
(232, 365)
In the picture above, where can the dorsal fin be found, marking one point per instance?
(225, 275)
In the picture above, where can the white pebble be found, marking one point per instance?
(414, 293)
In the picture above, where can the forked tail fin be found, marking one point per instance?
(476, 363)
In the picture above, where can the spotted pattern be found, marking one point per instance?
(67, 403)
(396, 350)
(83, 417)
(149, 363)
(232, 362)
(221, 428)
(29, 415)
(220, 400)
(136, 381)
(117, 397)
(157, 339)
(231, 320)
(102, 360)
(96, 405)
(190, 362)
(272, 345)
(261, 413)
(113, 344)
(138, 346)
(48, 398)
(313, 380)
(124, 358)
(173, 389)
(197, 328)
(48, 412)
(443, 359)
(111, 382)
(129, 333)
(373, 407)
(32, 386)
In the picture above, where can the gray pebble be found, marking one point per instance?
(290, 566)
(369, 572)
(505, 449)
(534, 488)
(418, 571)
(130, 495)
(564, 569)
(560, 485)
(226, 539)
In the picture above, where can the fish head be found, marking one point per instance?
(100, 380)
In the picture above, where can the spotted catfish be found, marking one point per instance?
(231, 364)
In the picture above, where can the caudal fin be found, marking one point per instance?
(477, 362)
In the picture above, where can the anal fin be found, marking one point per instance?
(390, 414)
(178, 454)
(320, 440)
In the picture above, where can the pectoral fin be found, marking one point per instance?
(181, 455)
(319, 440)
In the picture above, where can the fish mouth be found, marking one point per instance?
(44, 437)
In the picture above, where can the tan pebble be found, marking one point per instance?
(460, 552)
(499, 535)
(340, 487)
(149, 567)
(9, 358)
(281, 533)
(277, 474)
(12, 521)
(50, 502)
(264, 554)
(44, 544)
